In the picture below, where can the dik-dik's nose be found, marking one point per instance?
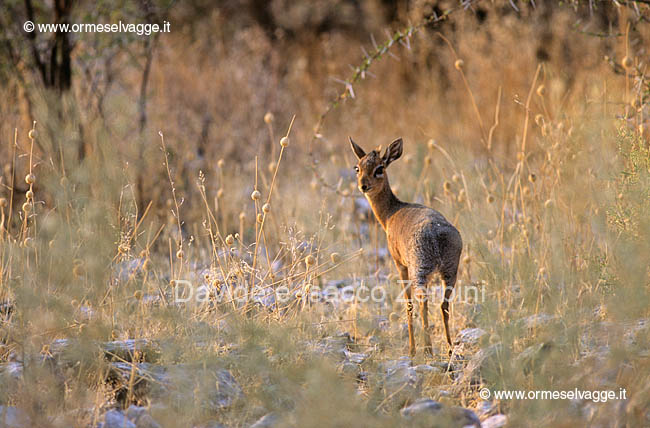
(364, 187)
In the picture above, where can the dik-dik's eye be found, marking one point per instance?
(356, 169)
(379, 171)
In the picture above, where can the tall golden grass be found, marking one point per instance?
(543, 166)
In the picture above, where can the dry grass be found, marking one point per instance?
(543, 167)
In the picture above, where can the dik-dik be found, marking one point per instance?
(420, 240)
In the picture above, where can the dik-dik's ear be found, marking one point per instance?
(393, 152)
(358, 151)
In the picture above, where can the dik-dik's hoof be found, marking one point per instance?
(428, 351)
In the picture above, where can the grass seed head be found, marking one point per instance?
(221, 163)
(539, 120)
(30, 178)
(627, 62)
(431, 144)
(266, 208)
(256, 195)
(78, 270)
(242, 216)
(3, 202)
(310, 260)
(230, 240)
(458, 65)
(32, 134)
(219, 193)
(284, 141)
(336, 257)
(268, 117)
(180, 254)
(260, 218)
(271, 166)
(27, 207)
(490, 199)
(447, 186)
(541, 90)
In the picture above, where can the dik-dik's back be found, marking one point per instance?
(421, 241)
(421, 237)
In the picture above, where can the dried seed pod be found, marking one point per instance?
(627, 62)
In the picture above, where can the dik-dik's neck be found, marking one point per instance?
(384, 203)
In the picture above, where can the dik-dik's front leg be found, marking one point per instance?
(406, 286)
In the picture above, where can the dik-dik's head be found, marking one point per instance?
(371, 168)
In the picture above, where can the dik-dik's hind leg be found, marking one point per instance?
(449, 277)
(422, 296)
(406, 286)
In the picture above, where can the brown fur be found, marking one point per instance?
(421, 241)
